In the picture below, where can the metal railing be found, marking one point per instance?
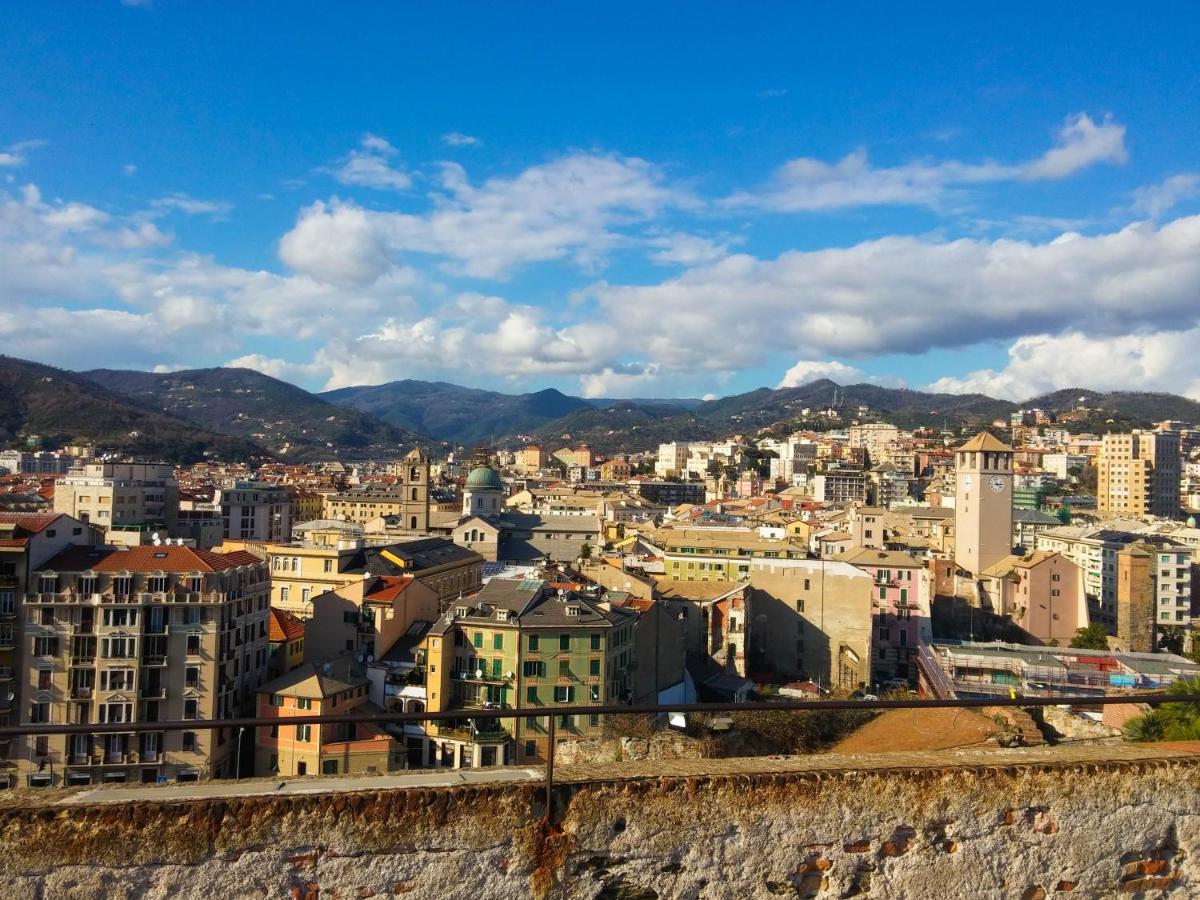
(553, 713)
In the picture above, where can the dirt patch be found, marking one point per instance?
(919, 729)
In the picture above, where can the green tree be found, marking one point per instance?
(1094, 637)
(1171, 721)
(585, 552)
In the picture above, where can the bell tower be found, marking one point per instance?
(415, 474)
(983, 517)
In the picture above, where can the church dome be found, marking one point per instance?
(484, 479)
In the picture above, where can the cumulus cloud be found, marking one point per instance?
(907, 295)
(680, 248)
(370, 165)
(809, 370)
(574, 208)
(807, 184)
(458, 139)
(1164, 361)
(1155, 199)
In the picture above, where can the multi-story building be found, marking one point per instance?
(140, 634)
(303, 570)
(523, 643)
(876, 438)
(336, 687)
(717, 554)
(120, 495)
(668, 493)
(43, 462)
(672, 459)
(255, 511)
(285, 639)
(27, 540)
(406, 498)
(1138, 474)
(900, 610)
(532, 459)
(1094, 549)
(1041, 592)
(840, 488)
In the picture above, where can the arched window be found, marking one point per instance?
(414, 474)
(413, 524)
(414, 493)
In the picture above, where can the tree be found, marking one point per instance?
(585, 552)
(1094, 637)
(1171, 721)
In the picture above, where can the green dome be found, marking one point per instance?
(484, 479)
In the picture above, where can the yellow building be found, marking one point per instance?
(717, 555)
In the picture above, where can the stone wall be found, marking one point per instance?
(1028, 823)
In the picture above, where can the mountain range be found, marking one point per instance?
(242, 413)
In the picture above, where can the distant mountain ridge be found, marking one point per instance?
(218, 410)
(287, 420)
(62, 407)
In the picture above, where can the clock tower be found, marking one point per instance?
(983, 517)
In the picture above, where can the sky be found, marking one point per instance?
(617, 200)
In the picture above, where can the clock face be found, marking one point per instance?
(968, 482)
(996, 483)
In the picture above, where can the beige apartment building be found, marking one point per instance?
(877, 438)
(140, 634)
(120, 496)
(1138, 474)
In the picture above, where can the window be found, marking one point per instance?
(531, 748)
(497, 641)
(564, 693)
(564, 668)
(277, 699)
(595, 642)
(477, 639)
(328, 565)
(593, 667)
(303, 703)
(531, 696)
(533, 642)
(594, 693)
(329, 767)
(533, 669)
(191, 708)
(7, 603)
(45, 679)
(46, 646)
(283, 594)
(189, 740)
(304, 733)
(564, 642)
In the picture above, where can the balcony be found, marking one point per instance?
(80, 692)
(153, 693)
(154, 660)
(83, 660)
(6, 674)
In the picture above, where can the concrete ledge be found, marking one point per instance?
(981, 823)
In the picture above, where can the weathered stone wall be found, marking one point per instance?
(1019, 823)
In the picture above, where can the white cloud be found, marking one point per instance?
(809, 370)
(129, 169)
(15, 155)
(907, 295)
(575, 207)
(370, 166)
(1164, 361)
(277, 368)
(807, 184)
(1155, 199)
(679, 248)
(612, 382)
(192, 206)
(458, 139)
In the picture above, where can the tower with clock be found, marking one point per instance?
(983, 511)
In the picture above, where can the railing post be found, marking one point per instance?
(550, 766)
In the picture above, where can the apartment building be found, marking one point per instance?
(255, 511)
(717, 554)
(303, 570)
(336, 687)
(27, 540)
(523, 643)
(41, 462)
(839, 488)
(900, 610)
(1040, 591)
(1138, 474)
(120, 495)
(672, 460)
(876, 438)
(140, 634)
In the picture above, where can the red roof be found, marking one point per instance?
(284, 626)
(33, 522)
(148, 558)
(386, 588)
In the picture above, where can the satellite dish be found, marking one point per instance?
(370, 657)
(154, 536)
(479, 673)
(359, 657)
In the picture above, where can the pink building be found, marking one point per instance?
(900, 610)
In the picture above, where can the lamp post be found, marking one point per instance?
(238, 770)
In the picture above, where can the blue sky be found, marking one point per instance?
(684, 200)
